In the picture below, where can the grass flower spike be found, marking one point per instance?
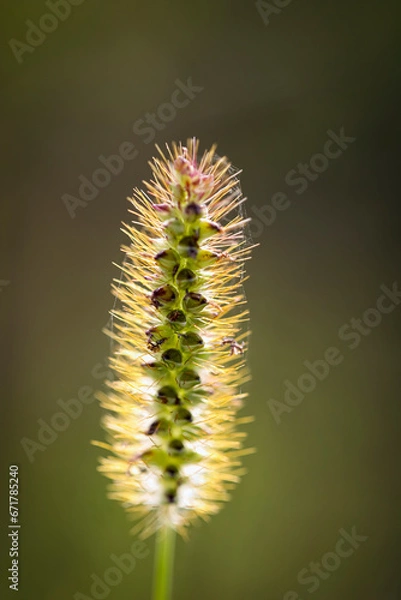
(179, 343)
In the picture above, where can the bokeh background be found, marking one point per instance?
(270, 94)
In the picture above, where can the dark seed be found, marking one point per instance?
(154, 426)
(170, 496)
(193, 300)
(171, 470)
(168, 395)
(191, 339)
(172, 356)
(193, 211)
(189, 240)
(163, 295)
(184, 415)
(176, 316)
(176, 445)
(188, 378)
(158, 426)
(186, 277)
(167, 259)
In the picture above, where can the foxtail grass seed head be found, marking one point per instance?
(179, 345)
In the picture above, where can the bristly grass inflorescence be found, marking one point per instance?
(179, 345)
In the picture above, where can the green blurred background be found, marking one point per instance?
(270, 94)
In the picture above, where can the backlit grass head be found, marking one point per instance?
(179, 351)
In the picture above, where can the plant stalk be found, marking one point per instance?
(164, 564)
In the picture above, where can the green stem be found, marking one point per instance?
(164, 564)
